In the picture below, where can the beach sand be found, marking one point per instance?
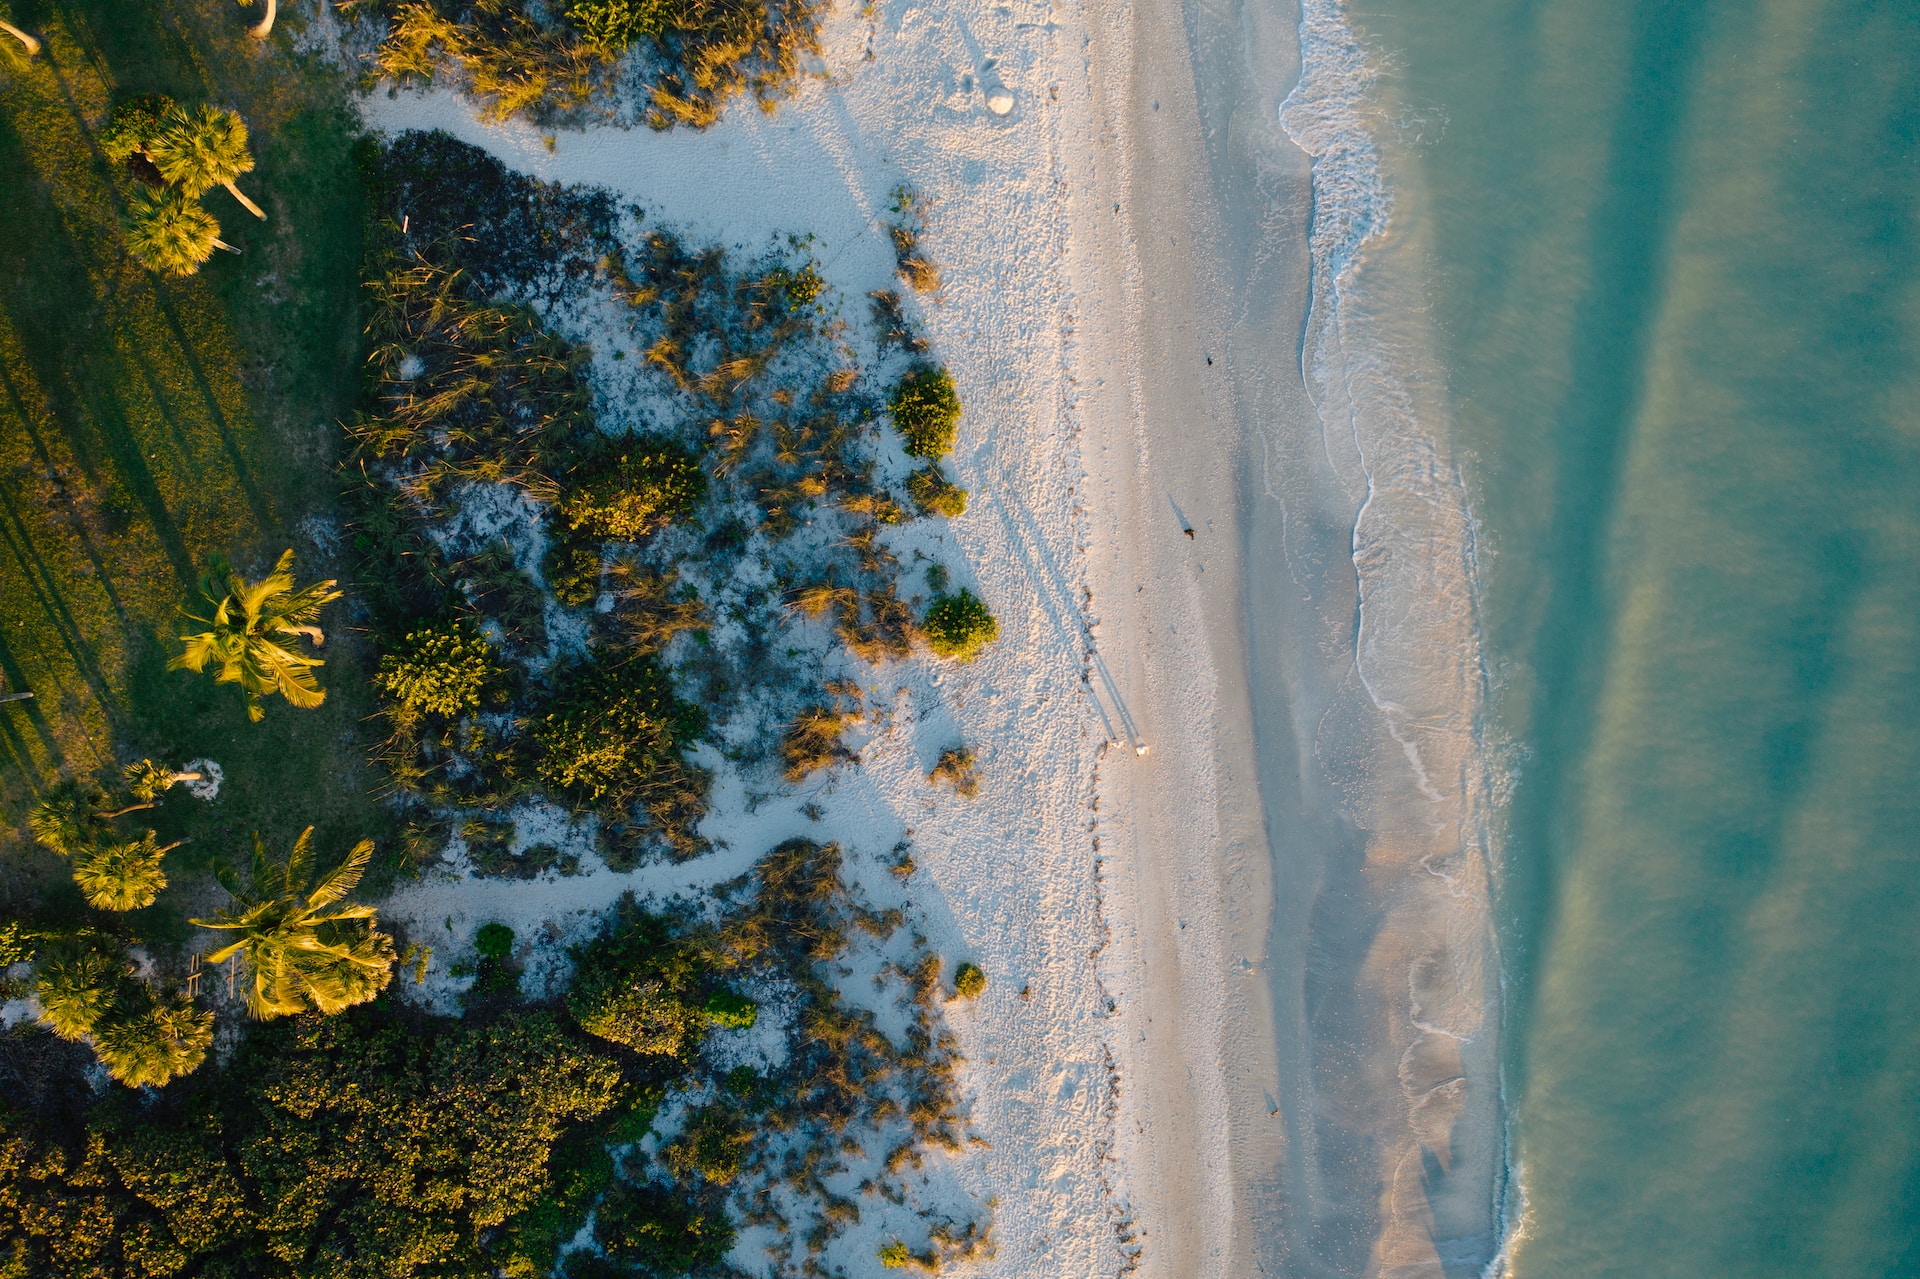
(1193, 1058)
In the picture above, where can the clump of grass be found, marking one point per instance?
(958, 626)
(926, 411)
(905, 229)
(935, 494)
(957, 768)
(558, 63)
(812, 741)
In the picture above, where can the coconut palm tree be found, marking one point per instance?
(202, 148)
(31, 45)
(304, 950)
(169, 233)
(123, 876)
(149, 781)
(250, 620)
(78, 984)
(149, 1039)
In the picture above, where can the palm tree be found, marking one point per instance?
(202, 148)
(77, 986)
(71, 819)
(264, 28)
(305, 952)
(250, 619)
(31, 45)
(169, 233)
(150, 1039)
(149, 781)
(123, 876)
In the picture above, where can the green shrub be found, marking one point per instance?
(613, 25)
(637, 985)
(644, 1017)
(926, 411)
(935, 494)
(731, 1011)
(712, 1145)
(647, 488)
(653, 1227)
(896, 1255)
(133, 125)
(959, 625)
(439, 670)
(572, 568)
(968, 981)
(612, 731)
(494, 941)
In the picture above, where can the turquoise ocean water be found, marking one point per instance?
(1659, 267)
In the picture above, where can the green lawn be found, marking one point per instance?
(146, 424)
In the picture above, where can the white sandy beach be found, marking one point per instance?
(1216, 1069)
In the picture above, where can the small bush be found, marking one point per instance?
(612, 731)
(968, 981)
(935, 494)
(926, 411)
(957, 769)
(439, 670)
(133, 125)
(896, 1255)
(959, 626)
(572, 568)
(730, 1011)
(494, 941)
(712, 1146)
(655, 1228)
(649, 487)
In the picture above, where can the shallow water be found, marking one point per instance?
(1656, 298)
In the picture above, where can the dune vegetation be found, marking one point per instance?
(544, 577)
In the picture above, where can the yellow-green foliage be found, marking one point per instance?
(712, 1146)
(926, 411)
(439, 670)
(122, 876)
(133, 126)
(155, 1040)
(968, 981)
(959, 626)
(648, 487)
(519, 61)
(613, 736)
(168, 232)
(339, 1146)
(935, 494)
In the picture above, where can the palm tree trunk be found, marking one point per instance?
(122, 812)
(264, 29)
(237, 194)
(222, 244)
(32, 45)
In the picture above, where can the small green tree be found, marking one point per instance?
(304, 951)
(251, 621)
(125, 876)
(169, 233)
(968, 981)
(959, 626)
(204, 147)
(926, 410)
(149, 1039)
(439, 670)
(133, 125)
